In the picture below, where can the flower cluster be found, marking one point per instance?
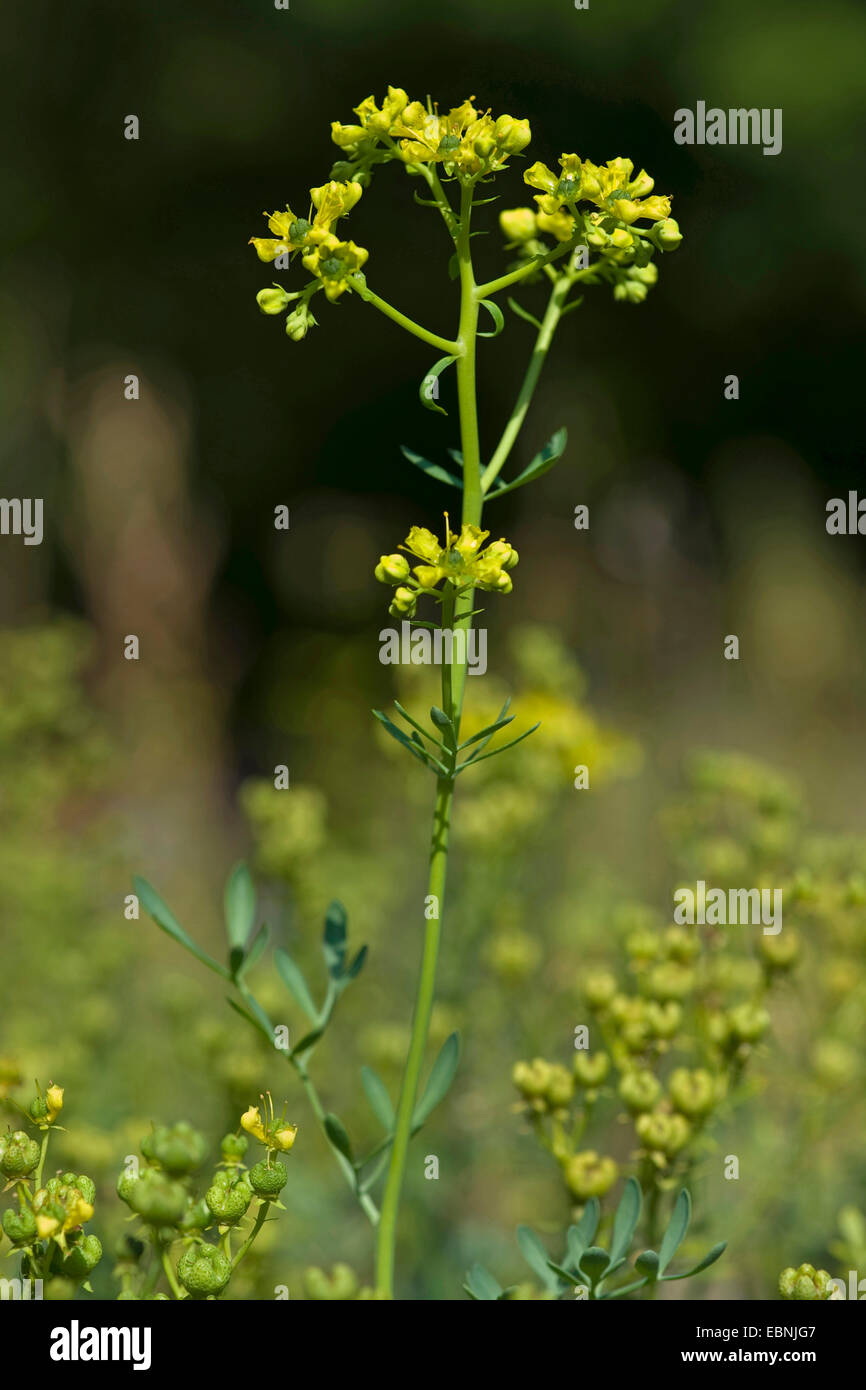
(614, 201)
(466, 141)
(46, 1227)
(330, 260)
(463, 561)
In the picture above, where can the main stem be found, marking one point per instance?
(454, 612)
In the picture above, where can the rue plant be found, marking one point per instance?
(586, 224)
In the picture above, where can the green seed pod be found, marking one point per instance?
(234, 1147)
(587, 1175)
(748, 1022)
(82, 1258)
(86, 1186)
(693, 1093)
(600, 990)
(591, 1068)
(125, 1184)
(20, 1226)
(59, 1290)
(20, 1155)
(229, 1204)
(203, 1270)
(197, 1217)
(639, 1090)
(560, 1087)
(179, 1149)
(158, 1200)
(38, 1109)
(805, 1284)
(268, 1180)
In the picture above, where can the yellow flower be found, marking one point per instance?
(468, 139)
(54, 1101)
(557, 224)
(462, 559)
(272, 1132)
(332, 201)
(332, 261)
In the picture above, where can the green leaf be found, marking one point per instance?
(239, 906)
(357, 965)
(625, 1221)
(564, 1273)
(307, 1042)
(293, 979)
(497, 316)
(338, 1135)
(334, 939)
(426, 390)
(488, 733)
(522, 313)
(439, 1081)
(156, 908)
(709, 1259)
(535, 1255)
(481, 1285)
(471, 761)
(433, 470)
(454, 266)
(677, 1227)
(256, 951)
(457, 456)
(441, 721)
(405, 742)
(581, 1235)
(377, 1094)
(541, 464)
(425, 733)
(254, 1015)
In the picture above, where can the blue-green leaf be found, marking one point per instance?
(239, 906)
(255, 1015)
(481, 1285)
(709, 1259)
(334, 939)
(293, 979)
(677, 1227)
(154, 905)
(535, 1255)
(541, 464)
(377, 1094)
(625, 1221)
(497, 316)
(427, 385)
(256, 951)
(338, 1135)
(405, 742)
(357, 965)
(581, 1235)
(439, 1081)
(433, 470)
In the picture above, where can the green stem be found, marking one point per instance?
(261, 1218)
(368, 1206)
(515, 276)
(444, 344)
(37, 1180)
(169, 1274)
(553, 313)
(455, 609)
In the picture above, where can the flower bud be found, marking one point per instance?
(663, 1020)
(780, 952)
(299, 322)
(268, 1180)
(748, 1022)
(531, 1078)
(587, 1175)
(203, 1270)
(392, 569)
(559, 1089)
(272, 300)
(518, 224)
(340, 1287)
(19, 1154)
(403, 603)
(234, 1147)
(667, 234)
(664, 1133)
(512, 135)
(179, 1149)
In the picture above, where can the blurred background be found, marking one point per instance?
(707, 518)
